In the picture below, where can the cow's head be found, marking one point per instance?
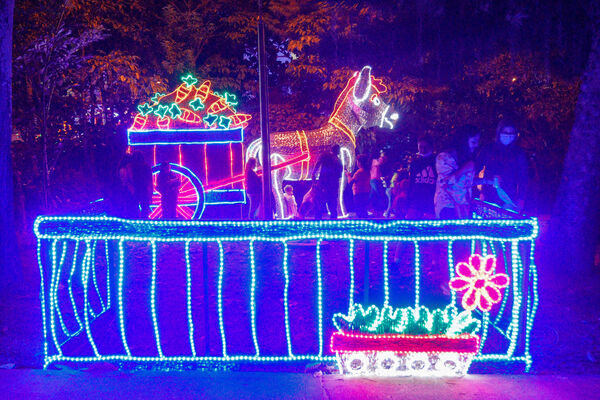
(368, 105)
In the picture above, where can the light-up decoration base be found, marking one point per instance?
(390, 363)
(404, 355)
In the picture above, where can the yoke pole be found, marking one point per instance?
(263, 84)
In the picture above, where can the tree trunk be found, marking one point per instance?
(9, 267)
(574, 229)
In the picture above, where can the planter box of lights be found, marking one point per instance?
(418, 341)
(405, 342)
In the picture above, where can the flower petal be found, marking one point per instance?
(465, 270)
(484, 303)
(459, 284)
(491, 293)
(471, 299)
(489, 265)
(499, 280)
(475, 261)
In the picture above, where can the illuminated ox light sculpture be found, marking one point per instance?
(360, 105)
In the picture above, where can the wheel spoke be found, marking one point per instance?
(184, 212)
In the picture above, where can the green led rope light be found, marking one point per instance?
(351, 266)
(220, 298)
(70, 282)
(253, 299)
(86, 319)
(319, 298)
(107, 274)
(188, 289)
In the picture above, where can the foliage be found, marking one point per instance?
(409, 321)
(445, 64)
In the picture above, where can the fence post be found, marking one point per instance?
(367, 266)
(205, 286)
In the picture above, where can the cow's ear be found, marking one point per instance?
(362, 87)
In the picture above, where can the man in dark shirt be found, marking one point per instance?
(330, 169)
(422, 180)
(506, 163)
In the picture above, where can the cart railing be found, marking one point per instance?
(257, 291)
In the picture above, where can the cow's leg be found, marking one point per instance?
(347, 158)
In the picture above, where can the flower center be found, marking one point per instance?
(479, 283)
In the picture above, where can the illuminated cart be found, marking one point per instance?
(200, 134)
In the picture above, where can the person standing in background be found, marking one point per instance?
(141, 174)
(168, 187)
(505, 163)
(329, 169)
(422, 181)
(290, 209)
(253, 188)
(455, 169)
(377, 197)
(361, 187)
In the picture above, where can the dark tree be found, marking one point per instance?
(575, 222)
(8, 264)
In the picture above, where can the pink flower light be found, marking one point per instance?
(481, 284)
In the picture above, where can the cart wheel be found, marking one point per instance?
(190, 200)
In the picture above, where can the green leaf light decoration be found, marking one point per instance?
(175, 111)
(189, 80)
(197, 104)
(144, 109)
(408, 321)
(161, 111)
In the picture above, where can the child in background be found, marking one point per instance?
(290, 207)
(361, 186)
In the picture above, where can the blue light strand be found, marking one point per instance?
(180, 359)
(319, 297)
(485, 325)
(532, 311)
(102, 227)
(386, 286)
(189, 297)
(52, 284)
(220, 297)
(451, 270)
(70, 282)
(58, 273)
(153, 301)
(351, 266)
(43, 298)
(107, 274)
(504, 298)
(86, 308)
(514, 325)
(86, 260)
(286, 277)
(253, 298)
(120, 299)
(95, 280)
(417, 274)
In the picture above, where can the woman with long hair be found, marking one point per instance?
(253, 188)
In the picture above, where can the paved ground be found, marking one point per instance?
(72, 385)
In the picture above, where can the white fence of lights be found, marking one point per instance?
(93, 311)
